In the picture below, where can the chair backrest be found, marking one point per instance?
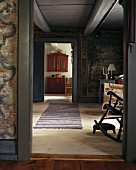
(115, 103)
(69, 80)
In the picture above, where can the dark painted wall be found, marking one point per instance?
(95, 54)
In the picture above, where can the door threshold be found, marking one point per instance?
(38, 156)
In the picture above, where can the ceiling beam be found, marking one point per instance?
(100, 10)
(39, 19)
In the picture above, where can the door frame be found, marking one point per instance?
(74, 64)
(25, 85)
(25, 79)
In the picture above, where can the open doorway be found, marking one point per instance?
(40, 136)
(58, 59)
(40, 74)
(69, 141)
(25, 88)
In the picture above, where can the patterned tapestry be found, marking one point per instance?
(96, 53)
(8, 65)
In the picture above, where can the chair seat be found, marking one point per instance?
(68, 85)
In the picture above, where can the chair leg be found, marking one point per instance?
(94, 131)
(120, 130)
(114, 131)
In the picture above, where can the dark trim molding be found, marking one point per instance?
(74, 69)
(131, 21)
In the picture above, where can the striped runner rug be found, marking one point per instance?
(60, 115)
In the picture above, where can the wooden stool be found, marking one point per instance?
(105, 126)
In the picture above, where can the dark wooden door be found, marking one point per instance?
(38, 73)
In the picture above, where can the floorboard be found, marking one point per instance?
(49, 164)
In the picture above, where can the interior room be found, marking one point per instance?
(102, 67)
(95, 100)
(44, 139)
(62, 70)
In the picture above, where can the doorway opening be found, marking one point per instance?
(69, 141)
(25, 114)
(58, 60)
(51, 46)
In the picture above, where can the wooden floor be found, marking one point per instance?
(75, 143)
(50, 164)
(55, 157)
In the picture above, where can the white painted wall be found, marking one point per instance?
(53, 47)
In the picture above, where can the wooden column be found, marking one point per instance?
(25, 79)
(129, 49)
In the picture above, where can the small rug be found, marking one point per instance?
(60, 115)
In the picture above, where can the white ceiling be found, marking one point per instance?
(78, 15)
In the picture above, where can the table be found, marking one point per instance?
(101, 88)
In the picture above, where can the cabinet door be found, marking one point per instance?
(56, 85)
(61, 85)
(52, 62)
(62, 62)
(51, 85)
(57, 62)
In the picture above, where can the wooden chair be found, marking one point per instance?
(113, 110)
(68, 87)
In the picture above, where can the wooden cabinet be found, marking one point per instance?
(56, 85)
(57, 62)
